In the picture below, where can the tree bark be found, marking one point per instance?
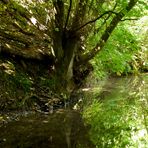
(64, 66)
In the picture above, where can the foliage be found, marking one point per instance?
(120, 120)
(63, 31)
(14, 85)
(22, 81)
(48, 82)
(140, 29)
(118, 54)
(125, 51)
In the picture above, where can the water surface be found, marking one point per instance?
(110, 114)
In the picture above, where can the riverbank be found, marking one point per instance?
(26, 85)
(113, 115)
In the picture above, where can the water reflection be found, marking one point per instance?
(63, 129)
(113, 116)
(119, 114)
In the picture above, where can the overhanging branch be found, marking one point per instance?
(99, 46)
(109, 15)
(94, 20)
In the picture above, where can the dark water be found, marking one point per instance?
(113, 115)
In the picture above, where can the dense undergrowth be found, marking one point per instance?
(126, 51)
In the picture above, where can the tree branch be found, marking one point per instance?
(80, 14)
(109, 15)
(90, 6)
(129, 19)
(94, 20)
(99, 46)
(68, 15)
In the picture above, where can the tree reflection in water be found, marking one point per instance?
(119, 118)
(63, 129)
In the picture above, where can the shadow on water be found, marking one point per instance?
(113, 116)
(63, 129)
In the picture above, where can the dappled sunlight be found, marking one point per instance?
(33, 20)
(8, 68)
(7, 45)
(139, 136)
(86, 89)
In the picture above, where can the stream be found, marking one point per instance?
(111, 113)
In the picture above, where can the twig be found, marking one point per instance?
(97, 30)
(129, 19)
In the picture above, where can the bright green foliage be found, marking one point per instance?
(117, 55)
(120, 119)
(140, 30)
(126, 51)
(116, 124)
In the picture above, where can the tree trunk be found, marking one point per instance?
(64, 66)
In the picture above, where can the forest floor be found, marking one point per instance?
(26, 85)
